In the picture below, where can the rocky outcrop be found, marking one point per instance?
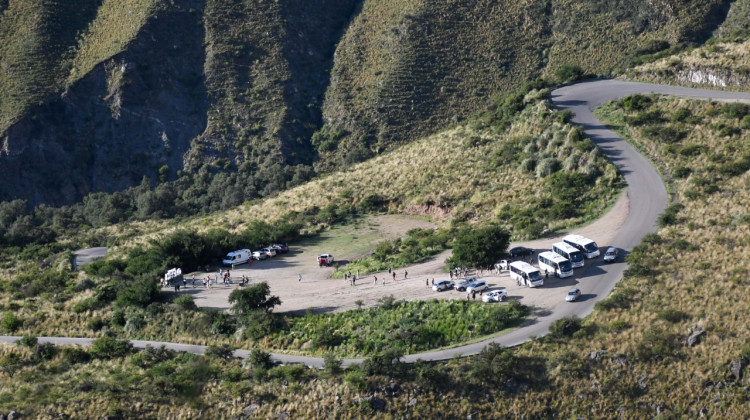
(131, 115)
(716, 77)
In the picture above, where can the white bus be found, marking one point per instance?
(568, 251)
(526, 273)
(557, 264)
(585, 245)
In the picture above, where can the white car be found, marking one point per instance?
(573, 295)
(495, 296)
(260, 255)
(270, 251)
(610, 255)
(441, 285)
(477, 286)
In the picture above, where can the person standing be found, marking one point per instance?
(394, 276)
(193, 280)
(354, 281)
(299, 278)
(406, 274)
(376, 280)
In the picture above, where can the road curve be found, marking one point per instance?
(646, 191)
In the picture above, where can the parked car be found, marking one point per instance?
(259, 255)
(463, 284)
(270, 251)
(280, 248)
(441, 285)
(573, 295)
(610, 255)
(325, 259)
(520, 251)
(477, 286)
(495, 296)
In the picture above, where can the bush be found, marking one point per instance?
(186, 303)
(140, 291)
(569, 73)
(75, 355)
(110, 348)
(331, 366)
(672, 315)
(222, 352)
(681, 172)
(619, 299)
(547, 167)
(134, 323)
(356, 379)
(479, 247)
(11, 322)
(28, 341)
(565, 327)
(96, 324)
(669, 217)
(657, 345)
(260, 359)
(735, 110)
(259, 324)
(386, 363)
(636, 102)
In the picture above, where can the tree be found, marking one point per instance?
(479, 247)
(253, 298)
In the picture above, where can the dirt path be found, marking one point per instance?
(319, 292)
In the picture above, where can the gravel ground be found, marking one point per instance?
(319, 292)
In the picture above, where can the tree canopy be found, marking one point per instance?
(479, 247)
(253, 298)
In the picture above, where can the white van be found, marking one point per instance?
(238, 257)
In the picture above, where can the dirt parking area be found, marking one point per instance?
(319, 292)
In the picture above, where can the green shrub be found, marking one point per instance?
(735, 110)
(331, 366)
(251, 298)
(140, 291)
(669, 217)
(110, 348)
(74, 355)
(28, 341)
(222, 352)
(134, 324)
(11, 322)
(88, 304)
(672, 315)
(547, 167)
(292, 373)
(260, 359)
(356, 379)
(565, 327)
(635, 102)
(96, 324)
(681, 172)
(619, 299)
(569, 73)
(186, 303)
(657, 345)
(259, 324)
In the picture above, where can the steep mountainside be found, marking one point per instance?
(406, 69)
(95, 95)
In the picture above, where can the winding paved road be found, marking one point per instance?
(648, 199)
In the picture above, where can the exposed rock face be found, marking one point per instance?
(131, 115)
(713, 77)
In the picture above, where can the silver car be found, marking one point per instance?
(441, 285)
(573, 295)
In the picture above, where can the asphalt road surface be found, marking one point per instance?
(647, 197)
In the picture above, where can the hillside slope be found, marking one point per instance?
(406, 69)
(95, 95)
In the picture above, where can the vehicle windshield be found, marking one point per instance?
(565, 266)
(591, 247)
(575, 257)
(535, 276)
(572, 292)
(610, 252)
